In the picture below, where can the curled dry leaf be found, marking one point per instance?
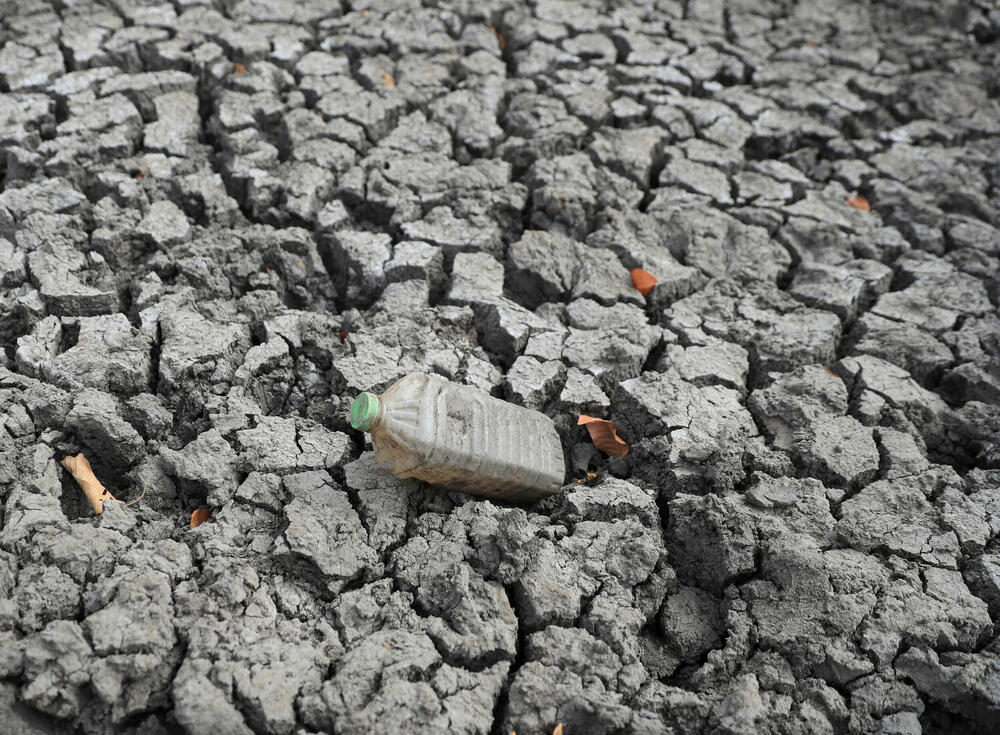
(96, 493)
(500, 41)
(604, 436)
(200, 516)
(643, 281)
(388, 81)
(859, 202)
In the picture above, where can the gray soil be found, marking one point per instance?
(222, 219)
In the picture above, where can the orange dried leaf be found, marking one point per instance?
(200, 516)
(557, 730)
(96, 493)
(643, 281)
(240, 68)
(388, 80)
(859, 202)
(500, 42)
(604, 435)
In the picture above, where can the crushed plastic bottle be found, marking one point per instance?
(461, 438)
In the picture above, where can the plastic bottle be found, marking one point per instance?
(461, 438)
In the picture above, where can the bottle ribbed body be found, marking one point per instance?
(459, 437)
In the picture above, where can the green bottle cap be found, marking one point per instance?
(364, 411)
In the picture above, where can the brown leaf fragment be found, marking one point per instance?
(96, 493)
(388, 80)
(643, 281)
(500, 42)
(200, 516)
(343, 336)
(240, 68)
(604, 435)
(859, 202)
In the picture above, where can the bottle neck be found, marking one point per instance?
(367, 412)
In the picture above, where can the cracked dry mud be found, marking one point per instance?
(221, 220)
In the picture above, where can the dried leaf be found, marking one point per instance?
(96, 493)
(643, 281)
(388, 81)
(557, 730)
(240, 68)
(200, 516)
(343, 336)
(859, 202)
(500, 42)
(604, 436)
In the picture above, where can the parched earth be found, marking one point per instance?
(220, 220)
